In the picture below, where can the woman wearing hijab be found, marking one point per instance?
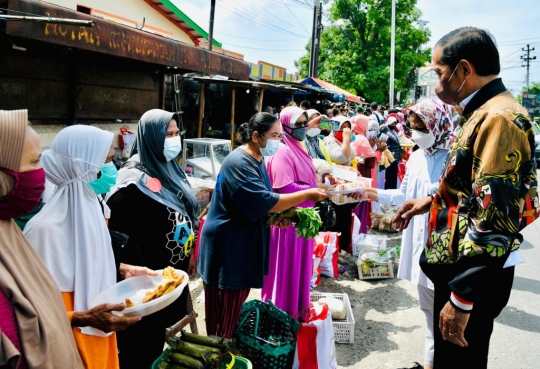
(290, 170)
(71, 236)
(154, 205)
(313, 144)
(433, 124)
(391, 172)
(234, 241)
(34, 329)
(363, 149)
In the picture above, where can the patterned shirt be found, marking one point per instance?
(488, 189)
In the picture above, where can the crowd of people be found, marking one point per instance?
(461, 228)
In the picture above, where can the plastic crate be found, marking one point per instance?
(343, 328)
(379, 271)
(369, 242)
(340, 199)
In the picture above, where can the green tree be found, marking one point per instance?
(355, 48)
(534, 88)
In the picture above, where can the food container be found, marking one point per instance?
(343, 328)
(135, 289)
(375, 270)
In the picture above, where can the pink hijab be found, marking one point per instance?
(291, 164)
(361, 144)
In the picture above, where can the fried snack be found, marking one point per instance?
(129, 303)
(170, 281)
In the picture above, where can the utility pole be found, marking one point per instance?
(527, 59)
(392, 53)
(315, 39)
(211, 27)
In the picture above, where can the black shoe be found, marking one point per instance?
(416, 366)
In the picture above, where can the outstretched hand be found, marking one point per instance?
(409, 209)
(102, 318)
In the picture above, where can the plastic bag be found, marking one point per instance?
(318, 255)
(329, 263)
(126, 140)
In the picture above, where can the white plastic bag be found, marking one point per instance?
(318, 332)
(318, 255)
(329, 263)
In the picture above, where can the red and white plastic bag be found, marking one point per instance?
(126, 140)
(315, 342)
(318, 255)
(329, 263)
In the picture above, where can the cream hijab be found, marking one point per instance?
(44, 330)
(70, 233)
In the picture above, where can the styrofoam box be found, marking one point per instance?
(343, 328)
(371, 242)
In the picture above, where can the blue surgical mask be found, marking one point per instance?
(106, 181)
(172, 147)
(271, 148)
(299, 133)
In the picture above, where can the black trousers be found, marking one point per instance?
(343, 224)
(391, 176)
(479, 328)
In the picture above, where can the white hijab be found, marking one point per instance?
(70, 233)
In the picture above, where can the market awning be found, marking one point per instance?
(328, 86)
(118, 40)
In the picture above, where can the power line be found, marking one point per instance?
(527, 59)
(280, 19)
(261, 48)
(262, 39)
(523, 39)
(507, 56)
(262, 24)
(290, 11)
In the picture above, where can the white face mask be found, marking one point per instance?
(423, 140)
(312, 132)
(172, 147)
(271, 148)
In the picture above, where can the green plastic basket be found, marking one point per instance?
(229, 362)
(266, 335)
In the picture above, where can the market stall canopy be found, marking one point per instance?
(328, 86)
(117, 40)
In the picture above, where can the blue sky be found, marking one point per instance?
(277, 31)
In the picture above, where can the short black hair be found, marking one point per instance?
(260, 122)
(305, 104)
(335, 112)
(374, 106)
(269, 109)
(475, 45)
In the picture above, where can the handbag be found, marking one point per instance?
(327, 213)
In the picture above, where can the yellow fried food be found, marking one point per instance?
(129, 303)
(170, 281)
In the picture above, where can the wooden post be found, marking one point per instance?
(261, 96)
(233, 102)
(201, 110)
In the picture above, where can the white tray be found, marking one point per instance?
(135, 289)
(344, 192)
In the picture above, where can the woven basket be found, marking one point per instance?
(266, 335)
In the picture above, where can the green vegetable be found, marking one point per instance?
(307, 221)
(205, 341)
(189, 349)
(187, 361)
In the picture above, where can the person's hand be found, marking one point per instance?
(381, 145)
(373, 141)
(361, 195)
(409, 209)
(452, 324)
(347, 133)
(192, 268)
(102, 318)
(316, 194)
(128, 271)
(283, 223)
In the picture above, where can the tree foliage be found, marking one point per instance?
(534, 88)
(355, 48)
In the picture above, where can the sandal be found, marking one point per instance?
(342, 269)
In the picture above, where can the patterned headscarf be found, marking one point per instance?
(440, 119)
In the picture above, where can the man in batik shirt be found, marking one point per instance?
(487, 194)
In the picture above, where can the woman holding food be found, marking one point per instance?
(234, 249)
(34, 329)
(71, 236)
(432, 124)
(290, 170)
(154, 205)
